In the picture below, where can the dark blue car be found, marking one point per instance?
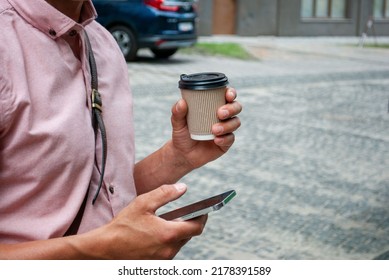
(162, 26)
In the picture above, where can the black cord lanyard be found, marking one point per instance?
(97, 110)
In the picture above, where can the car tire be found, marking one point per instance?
(164, 53)
(126, 40)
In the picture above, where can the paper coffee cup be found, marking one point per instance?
(205, 94)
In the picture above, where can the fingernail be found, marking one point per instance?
(224, 113)
(218, 129)
(219, 141)
(231, 94)
(180, 187)
(177, 107)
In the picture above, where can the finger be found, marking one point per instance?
(162, 195)
(225, 141)
(226, 127)
(179, 111)
(190, 228)
(231, 94)
(176, 231)
(229, 110)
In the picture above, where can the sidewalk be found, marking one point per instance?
(310, 162)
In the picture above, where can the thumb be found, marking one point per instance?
(179, 111)
(163, 195)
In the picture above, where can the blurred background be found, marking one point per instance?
(311, 161)
(293, 17)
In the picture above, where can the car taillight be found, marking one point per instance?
(160, 5)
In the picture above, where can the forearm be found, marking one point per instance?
(165, 166)
(76, 247)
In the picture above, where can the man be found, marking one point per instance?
(50, 156)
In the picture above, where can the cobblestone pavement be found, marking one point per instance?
(310, 162)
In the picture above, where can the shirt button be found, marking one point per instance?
(52, 32)
(73, 33)
(111, 189)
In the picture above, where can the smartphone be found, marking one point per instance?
(199, 208)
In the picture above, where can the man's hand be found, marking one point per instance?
(137, 233)
(198, 153)
(181, 154)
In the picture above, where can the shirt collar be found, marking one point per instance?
(49, 20)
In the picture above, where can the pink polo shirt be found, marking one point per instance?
(47, 143)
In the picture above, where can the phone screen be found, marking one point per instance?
(200, 208)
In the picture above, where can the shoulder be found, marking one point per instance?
(105, 48)
(101, 37)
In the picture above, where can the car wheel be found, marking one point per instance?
(126, 40)
(164, 53)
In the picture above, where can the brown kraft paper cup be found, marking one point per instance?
(204, 94)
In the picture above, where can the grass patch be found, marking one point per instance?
(232, 50)
(380, 46)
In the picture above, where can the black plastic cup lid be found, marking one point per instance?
(202, 81)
